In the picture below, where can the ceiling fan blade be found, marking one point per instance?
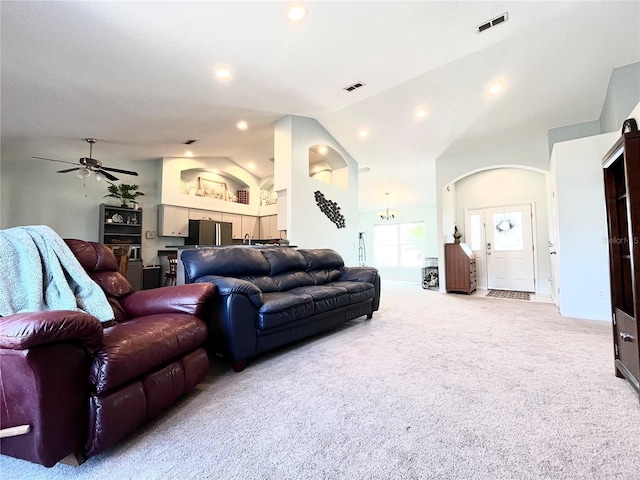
(68, 170)
(128, 172)
(54, 160)
(106, 174)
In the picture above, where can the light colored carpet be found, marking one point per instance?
(436, 386)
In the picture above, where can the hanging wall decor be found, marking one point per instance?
(330, 209)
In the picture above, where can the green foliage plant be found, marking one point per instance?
(124, 192)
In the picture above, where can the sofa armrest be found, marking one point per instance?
(175, 299)
(358, 274)
(25, 330)
(364, 274)
(229, 285)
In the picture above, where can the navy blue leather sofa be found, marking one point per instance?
(269, 297)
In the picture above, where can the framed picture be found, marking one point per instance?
(211, 189)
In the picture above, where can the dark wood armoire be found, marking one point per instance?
(622, 191)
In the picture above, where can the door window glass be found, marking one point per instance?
(476, 232)
(508, 231)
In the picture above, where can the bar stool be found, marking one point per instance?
(170, 275)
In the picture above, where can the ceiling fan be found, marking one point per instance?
(88, 165)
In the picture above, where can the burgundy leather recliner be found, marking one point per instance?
(80, 386)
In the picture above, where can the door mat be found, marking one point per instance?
(509, 294)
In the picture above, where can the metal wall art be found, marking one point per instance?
(330, 209)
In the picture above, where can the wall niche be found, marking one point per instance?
(200, 182)
(328, 166)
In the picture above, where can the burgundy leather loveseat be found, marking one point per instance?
(82, 386)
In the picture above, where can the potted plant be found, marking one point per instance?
(456, 235)
(124, 192)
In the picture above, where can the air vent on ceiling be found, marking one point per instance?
(364, 170)
(189, 142)
(352, 87)
(493, 22)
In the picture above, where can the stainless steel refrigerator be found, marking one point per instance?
(209, 232)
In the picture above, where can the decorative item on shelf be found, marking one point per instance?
(243, 196)
(330, 209)
(456, 235)
(629, 125)
(268, 198)
(387, 215)
(124, 192)
(212, 189)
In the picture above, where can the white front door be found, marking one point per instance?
(509, 248)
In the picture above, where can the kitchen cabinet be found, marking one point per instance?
(236, 221)
(173, 221)
(269, 227)
(251, 226)
(199, 214)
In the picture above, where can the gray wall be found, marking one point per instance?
(623, 94)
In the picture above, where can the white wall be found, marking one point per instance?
(34, 194)
(509, 186)
(583, 258)
(307, 226)
(408, 215)
(531, 153)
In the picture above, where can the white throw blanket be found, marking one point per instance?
(40, 272)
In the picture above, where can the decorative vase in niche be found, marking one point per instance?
(456, 240)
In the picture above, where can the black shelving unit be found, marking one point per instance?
(120, 226)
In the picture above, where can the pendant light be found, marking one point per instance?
(387, 215)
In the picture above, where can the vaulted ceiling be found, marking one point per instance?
(139, 76)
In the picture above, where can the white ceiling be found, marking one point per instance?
(138, 76)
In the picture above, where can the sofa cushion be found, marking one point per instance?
(284, 260)
(100, 263)
(325, 297)
(322, 277)
(230, 262)
(140, 345)
(358, 291)
(322, 259)
(287, 281)
(283, 307)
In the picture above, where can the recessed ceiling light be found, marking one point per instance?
(223, 73)
(251, 165)
(242, 125)
(322, 150)
(495, 88)
(363, 133)
(421, 113)
(297, 13)
(188, 153)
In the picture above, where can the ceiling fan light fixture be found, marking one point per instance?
(84, 173)
(99, 177)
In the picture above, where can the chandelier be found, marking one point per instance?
(387, 215)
